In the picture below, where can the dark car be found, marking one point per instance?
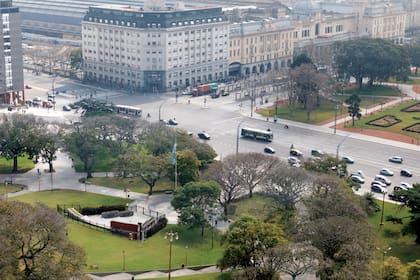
(269, 150)
(317, 153)
(172, 121)
(28, 87)
(377, 189)
(406, 173)
(66, 108)
(396, 197)
(215, 95)
(203, 135)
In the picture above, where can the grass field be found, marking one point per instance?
(209, 276)
(376, 90)
(7, 188)
(103, 163)
(106, 250)
(389, 235)
(24, 165)
(406, 118)
(259, 206)
(133, 184)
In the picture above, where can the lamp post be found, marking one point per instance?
(335, 117)
(339, 144)
(39, 179)
(170, 236)
(160, 107)
(237, 136)
(186, 256)
(213, 224)
(383, 207)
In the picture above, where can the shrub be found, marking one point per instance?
(110, 214)
(88, 211)
(126, 213)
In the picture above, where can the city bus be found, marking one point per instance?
(258, 134)
(127, 110)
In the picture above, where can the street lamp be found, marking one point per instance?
(339, 144)
(335, 117)
(170, 236)
(160, 107)
(384, 252)
(39, 179)
(213, 224)
(383, 207)
(237, 136)
(186, 256)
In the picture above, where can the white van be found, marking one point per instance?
(383, 179)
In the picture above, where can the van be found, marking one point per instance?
(383, 179)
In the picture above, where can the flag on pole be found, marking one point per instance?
(173, 159)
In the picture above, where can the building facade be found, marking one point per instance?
(154, 48)
(11, 64)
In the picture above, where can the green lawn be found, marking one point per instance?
(365, 101)
(106, 250)
(259, 206)
(209, 276)
(389, 235)
(7, 188)
(407, 119)
(24, 165)
(373, 91)
(103, 163)
(134, 184)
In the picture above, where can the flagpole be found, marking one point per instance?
(176, 173)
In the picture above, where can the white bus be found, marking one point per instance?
(257, 134)
(127, 110)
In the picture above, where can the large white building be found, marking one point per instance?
(154, 48)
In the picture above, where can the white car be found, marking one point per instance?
(386, 172)
(357, 179)
(348, 159)
(358, 173)
(293, 160)
(406, 185)
(382, 179)
(395, 159)
(380, 183)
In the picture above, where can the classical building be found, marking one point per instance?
(155, 48)
(11, 65)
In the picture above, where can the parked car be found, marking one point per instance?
(400, 188)
(66, 108)
(28, 87)
(359, 173)
(293, 160)
(47, 104)
(386, 172)
(10, 108)
(172, 121)
(295, 152)
(317, 153)
(378, 183)
(406, 185)
(377, 189)
(396, 197)
(383, 179)
(348, 159)
(269, 150)
(406, 173)
(395, 159)
(357, 179)
(203, 135)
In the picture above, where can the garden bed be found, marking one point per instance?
(385, 121)
(415, 108)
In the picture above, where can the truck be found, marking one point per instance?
(204, 89)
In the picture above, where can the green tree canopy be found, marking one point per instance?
(187, 167)
(413, 202)
(353, 103)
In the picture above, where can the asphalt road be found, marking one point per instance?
(220, 119)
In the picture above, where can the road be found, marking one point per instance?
(220, 118)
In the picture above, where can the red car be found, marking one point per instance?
(47, 104)
(28, 87)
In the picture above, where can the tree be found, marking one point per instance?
(413, 202)
(17, 133)
(393, 269)
(252, 169)
(297, 259)
(194, 200)
(353, 103)
(157, 139)
(334, 222)
(34, 244)
(203, 151)
(286, 185)
(225, 173)
(188, 167)
(301, 59)
(149, 168)
(247, 242)
(306, 85)
(76, 59)
(414, 270)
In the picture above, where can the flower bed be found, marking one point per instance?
(385, 121)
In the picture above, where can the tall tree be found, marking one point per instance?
(286, 185)
(247, 242)
(194, 200)
(226, 174)
(353, 103)
(17, 132)
(34, 244)
(187, 167)
(76, 59)
(413, 202)
(252, 169)
(149, 168)
(157, 138)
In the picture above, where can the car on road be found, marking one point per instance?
(66, 108)
(295, 152)
(28, 87)
(395, 159)
(203, 135)
(386, 172)
(348, 159)
(406, 173)
(378, 189)
(47, 104)
(357, 179)
(172, 121)
(269, 150)
(382, 179)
